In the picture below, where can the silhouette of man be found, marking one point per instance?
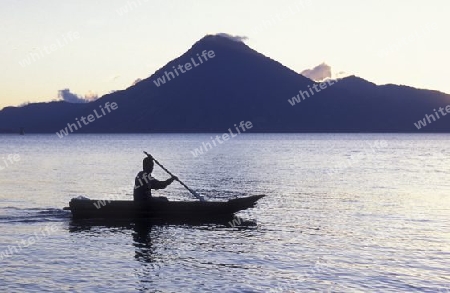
(144, 182)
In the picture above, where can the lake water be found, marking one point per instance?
(343, 213)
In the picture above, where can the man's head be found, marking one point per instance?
(147, 164)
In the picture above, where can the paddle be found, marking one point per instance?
(198, 196)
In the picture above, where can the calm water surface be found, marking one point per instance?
(344, 213)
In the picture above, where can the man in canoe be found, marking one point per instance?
(144, 182)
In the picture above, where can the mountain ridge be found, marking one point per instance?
(237, 84)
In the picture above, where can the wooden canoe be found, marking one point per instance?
(159, 209)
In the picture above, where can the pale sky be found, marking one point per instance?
(102, 47)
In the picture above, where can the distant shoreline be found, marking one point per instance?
(253, 132)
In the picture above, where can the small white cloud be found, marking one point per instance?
(70, 97)
(318, 73)
(90, 96)
(233, 38)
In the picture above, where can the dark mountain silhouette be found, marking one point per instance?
(238, 84)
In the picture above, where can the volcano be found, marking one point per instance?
(220, 82)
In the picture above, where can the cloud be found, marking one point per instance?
(69, 97)
(233, 38)
(318, 73)
(90, 96)
(24, 104)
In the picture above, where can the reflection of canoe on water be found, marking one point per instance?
(160, 209)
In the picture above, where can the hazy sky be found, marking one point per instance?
(94, 47)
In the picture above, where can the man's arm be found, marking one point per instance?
(156, 184)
